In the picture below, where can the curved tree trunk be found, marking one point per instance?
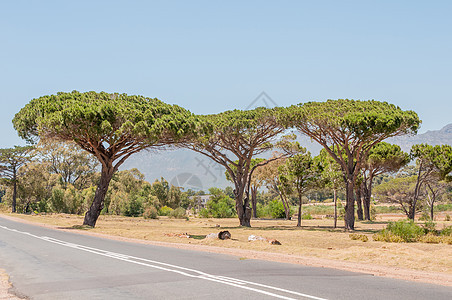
(93, 213)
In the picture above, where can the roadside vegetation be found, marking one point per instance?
(78, 141)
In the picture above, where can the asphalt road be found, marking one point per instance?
(51, 264)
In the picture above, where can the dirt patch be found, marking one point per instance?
(315, 245)
(5, 287)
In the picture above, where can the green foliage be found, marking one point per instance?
(134, 207)
(57, 200)
(150, 213)
(276, 209)
(429, 226)
(178, 213)
(401, 231)
(165, 211)
(446, 231)
(443, 207)
(306, 216)
(223, 207)
(204, 213)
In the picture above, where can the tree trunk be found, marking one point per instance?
(349, 218)
(300, 202)
(93, 213)
(367, 193)
(431, 211)
(335, 207)
(359, 203)
(13, 204)
(243, 208)
(254, 201)
(366, 202)
(412, 212)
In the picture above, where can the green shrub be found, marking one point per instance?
(165, 211)
(306, 216)
(429, 227)
(408, 231)
(150, 213)
(447, 231)
(221, 207)
(204, 213)
(443, 207)
(134, 207)
(178, 213)
(262, 211)
(276, 209)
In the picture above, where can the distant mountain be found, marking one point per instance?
(192, 170)
(431, 137)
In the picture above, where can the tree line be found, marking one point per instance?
(111, 127)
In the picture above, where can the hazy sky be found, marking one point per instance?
(210, 56)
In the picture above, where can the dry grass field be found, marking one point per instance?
(315, 240)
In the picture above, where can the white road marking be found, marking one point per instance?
(173, 268)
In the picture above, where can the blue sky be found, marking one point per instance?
(211, 56)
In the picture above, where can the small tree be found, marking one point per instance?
(111, 127)
(269, 175)
(434, 164)
(382, 158)
(348, 129)
(11, 159)
(255, 183)
(299, 174)
(236, 137)
(332, 176)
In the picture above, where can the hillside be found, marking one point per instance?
(434, 137)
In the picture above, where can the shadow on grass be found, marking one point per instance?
(78, 227)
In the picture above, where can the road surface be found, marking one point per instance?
(50, 264)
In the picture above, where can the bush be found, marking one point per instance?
(150, 213)
(221, 207)
(306, 216)
(430, 238)
(165, 211)
(178, 213)
(447, 218)
(204, 213)
(276, 209)
(386, 236)
(429, 227)
(447, 231)
(407, 231)
(446, 239)
(134, 207)
(361, 237)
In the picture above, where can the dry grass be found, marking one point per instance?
(315, 239)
